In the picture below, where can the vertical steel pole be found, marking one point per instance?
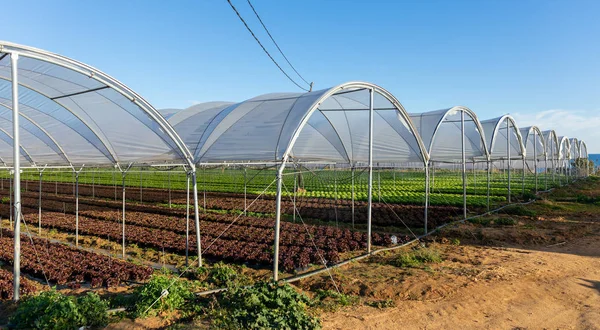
(123, 215)
(93, 184)
(523, 178)
(370, 185)
(464, 163)
(246, 193)
(40, 206)
(277, 222)
(10, 190)
(545, 172)
(426, 197)
(474, 179)
(17, 184)
(352, 170)
(187, 218)
(197, 217)
(76, 208)
(204, 187)
(141, 182)
(535, 160)
(169, 189)
(488, 184)
(508, 156)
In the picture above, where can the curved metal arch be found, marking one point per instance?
(537, 130)
(349, 85)
(516, 129)
(583, 145)
(106, 144)
(23, 151)
(469, 113)
(564, 142)
(117, 86)
(574, 143)
(62, 152)
(552, 139)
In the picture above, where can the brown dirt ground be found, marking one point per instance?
(543, 273)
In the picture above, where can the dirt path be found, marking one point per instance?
(555, 288)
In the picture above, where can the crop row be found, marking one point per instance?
(6, 285)
(62, 264)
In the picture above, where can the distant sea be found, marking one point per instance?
(595, 158)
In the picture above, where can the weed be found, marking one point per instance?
(330, 300)
(385, 303)
(518, 210)
(417, 257)
(480, 221)
(505, 221)
(264, 305)
(53, 310)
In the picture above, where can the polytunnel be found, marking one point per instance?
(564, 155)
(535, 151)
(329, 125)
(574, 153)
(584, 155)
(352, 123)
(451, 136)
(552, 151)
(504, 143)
(71, 115)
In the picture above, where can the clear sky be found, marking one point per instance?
(538, 60)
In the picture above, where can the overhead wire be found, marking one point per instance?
(276, 45)
(263, 47)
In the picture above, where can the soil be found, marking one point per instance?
(542, 273)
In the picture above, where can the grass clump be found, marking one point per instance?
(264, 305)
(480, 221)
(219, 275)
(53, 310)
(518, 210)
(505, 221)
(330, 300)
(163, 293)
(417, 258)
(381, 304)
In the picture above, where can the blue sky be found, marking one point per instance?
(537, 60)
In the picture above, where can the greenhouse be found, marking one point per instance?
(535, 151)
(296, 182)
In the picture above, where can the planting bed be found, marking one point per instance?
(64, 265)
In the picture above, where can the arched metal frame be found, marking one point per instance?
(101, 77)
(475, 120)
(497, 128)
(284, 159)
(15, 51)
(534, 132)
(463, 110)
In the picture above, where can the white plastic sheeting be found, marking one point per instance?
(534, 142)
(583, 153)
(574, 149)
(73, 114)
(503, 138)
(325, 125)
(440, 131)
(564, 148)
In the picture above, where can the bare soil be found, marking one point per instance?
(542, 273)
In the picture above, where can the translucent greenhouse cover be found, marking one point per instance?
(535, 145)
(325, 125)
(71, 113)
(583, 149)
(502, 134)
(574, 148)
(551, 144)
(564, 148)
(441, 134)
